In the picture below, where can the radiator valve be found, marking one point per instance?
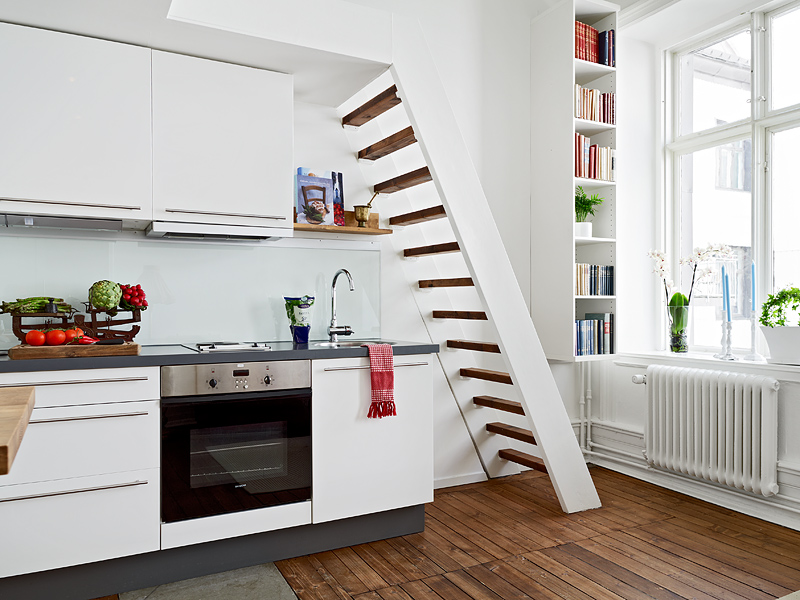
(639, 379)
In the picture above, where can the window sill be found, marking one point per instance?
(706, 360)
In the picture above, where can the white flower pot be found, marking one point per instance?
(784, 344)
(583, 229)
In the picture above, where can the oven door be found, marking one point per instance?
(234, 452)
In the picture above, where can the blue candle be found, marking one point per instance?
(753, 284)
(727, 298)
(724, 295)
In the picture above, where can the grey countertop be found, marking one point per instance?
(176, 354)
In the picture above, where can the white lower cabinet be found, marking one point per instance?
(53, 524)
(362, 465)
(85, 485)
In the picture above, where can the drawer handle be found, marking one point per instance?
(223, 214)
(110, 380)
(78, 491)
(85, 204)
(88, 417)
(416, 364)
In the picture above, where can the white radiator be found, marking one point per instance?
(715, 425)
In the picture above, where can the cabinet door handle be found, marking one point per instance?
(78, 491)
(108, 380)
(416, 364)
(88, 417)
(224, 214)
(62, 203)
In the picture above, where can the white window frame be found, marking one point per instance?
(763, 121)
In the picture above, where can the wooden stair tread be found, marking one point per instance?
(477, 346)
(471, 315)
(403, 182)
(500, 404)
(521, 458)
(445, 248)
(487, 375)
(419, 216)
(454, 282)
(393, 143)
(372, 108)
(517, 433)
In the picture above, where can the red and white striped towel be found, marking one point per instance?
(381, 369)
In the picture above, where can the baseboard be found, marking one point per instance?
(785, 511)
(446, 482)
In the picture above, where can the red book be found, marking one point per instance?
(593, 51)
(592, 161)
(577, 39)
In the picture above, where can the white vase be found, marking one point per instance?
(784, 344)
(583, 229)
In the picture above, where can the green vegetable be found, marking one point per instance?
(105, 294)
(34, 304)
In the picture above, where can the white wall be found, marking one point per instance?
(482, 50)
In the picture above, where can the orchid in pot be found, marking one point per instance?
(677, 302)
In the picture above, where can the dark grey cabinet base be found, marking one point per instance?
(109, 577)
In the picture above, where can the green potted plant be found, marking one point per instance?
(584, 206)
(780, 324)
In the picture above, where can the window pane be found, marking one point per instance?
(716, 208)
(785, 209)
(785, 86)
(715, 84)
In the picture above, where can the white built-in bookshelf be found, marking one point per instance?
(555, 250)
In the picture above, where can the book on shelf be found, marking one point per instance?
(594, 46)
(593, 105)
(593, 161)
(594, 280)
(604, 325)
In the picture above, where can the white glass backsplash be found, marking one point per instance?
(197, 292)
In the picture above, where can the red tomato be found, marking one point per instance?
(55, 337)
(35, 337)
(70, 334)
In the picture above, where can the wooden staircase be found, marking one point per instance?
(504, 311)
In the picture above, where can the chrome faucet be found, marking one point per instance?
(334, 331)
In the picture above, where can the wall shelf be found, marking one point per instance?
(349, 226)
(589, 128)
(591, 184)
(587, 241)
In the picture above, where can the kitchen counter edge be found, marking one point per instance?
(158, 356)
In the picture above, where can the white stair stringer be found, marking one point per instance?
(486, 444)
(439, 137)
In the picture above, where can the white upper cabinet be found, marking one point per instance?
(222, 143)
(75, 125)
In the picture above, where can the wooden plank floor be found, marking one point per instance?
(508, 539)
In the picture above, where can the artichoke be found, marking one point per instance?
(105, 294)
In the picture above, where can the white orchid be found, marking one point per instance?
(693, 261)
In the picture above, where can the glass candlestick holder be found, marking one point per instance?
(725, 353)
(753, 356)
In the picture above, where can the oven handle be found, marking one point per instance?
(77, 381)
(416, 364)
(78, 491)
(240, 396)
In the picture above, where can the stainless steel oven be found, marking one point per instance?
(234, 437)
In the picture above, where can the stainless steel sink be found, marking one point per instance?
(343, 344)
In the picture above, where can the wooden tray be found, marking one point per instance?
(25, 352)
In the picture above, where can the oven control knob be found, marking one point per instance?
(212, 383)
(267, 380)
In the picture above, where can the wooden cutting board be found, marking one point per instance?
(16, 406)
(24, 351)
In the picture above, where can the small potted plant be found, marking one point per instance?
(584, 206)
(780, 324)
